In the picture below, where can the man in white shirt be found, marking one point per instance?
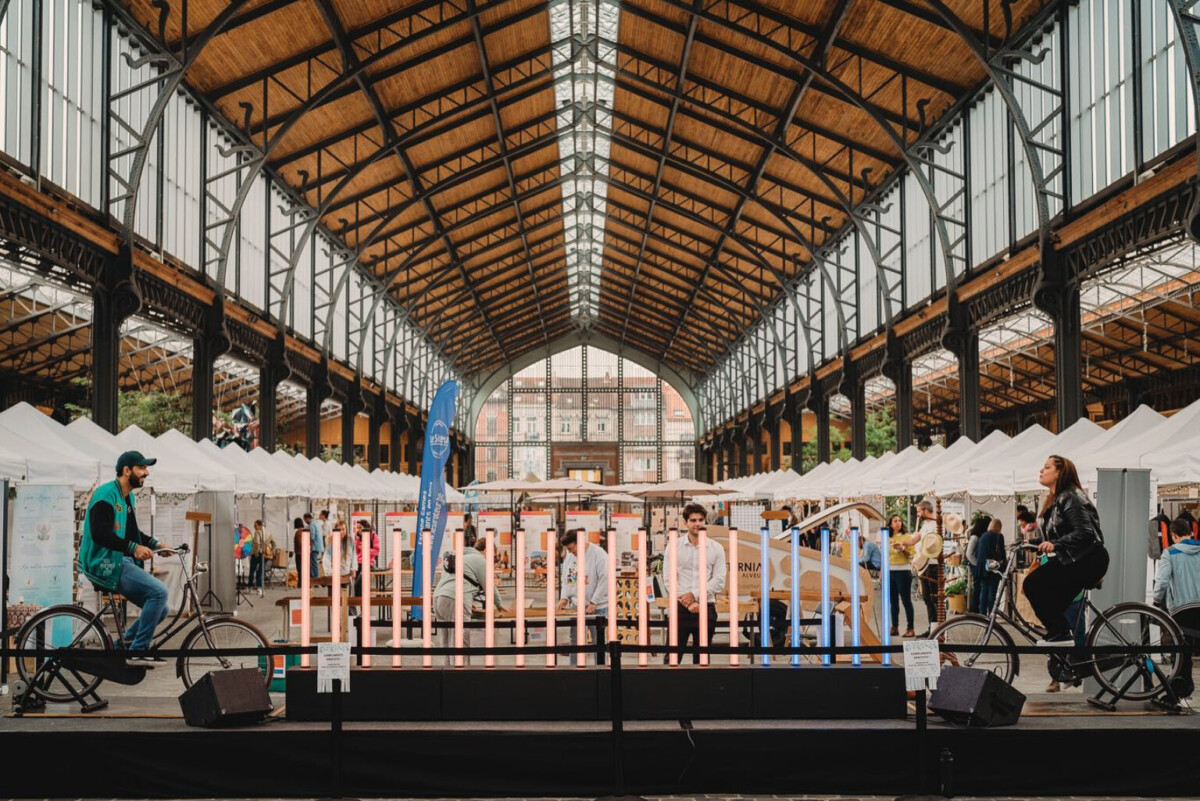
(595, 589)
(695, 518)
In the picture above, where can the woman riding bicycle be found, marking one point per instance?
(1072, 547)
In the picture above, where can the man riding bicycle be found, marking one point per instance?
(113, 548)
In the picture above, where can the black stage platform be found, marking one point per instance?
(1102, 755)
(869, 692)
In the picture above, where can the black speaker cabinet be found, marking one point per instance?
(975, 697)
(226, 698)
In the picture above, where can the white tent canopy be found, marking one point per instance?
(24, 461)
(980, 467)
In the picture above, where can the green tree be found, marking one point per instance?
(152, 411)
(881, 438)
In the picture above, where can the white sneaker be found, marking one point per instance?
(1065, 641)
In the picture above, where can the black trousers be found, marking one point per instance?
(689, 628)
(1051, 588)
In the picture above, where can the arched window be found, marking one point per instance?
(589, 414)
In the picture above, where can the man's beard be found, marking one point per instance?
(135, 481)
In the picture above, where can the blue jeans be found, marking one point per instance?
(987, 586)
(150, 595)
(256, 571)
(314, 564)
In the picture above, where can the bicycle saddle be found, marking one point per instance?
(1094, 585)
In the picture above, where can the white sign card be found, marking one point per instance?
(626, 526)
(333, 662)
(406, 522)
(922, 664)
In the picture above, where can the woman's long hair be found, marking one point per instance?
(1068, 479)
(902, 530)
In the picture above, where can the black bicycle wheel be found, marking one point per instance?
(963, 631)
(225, 633)
(62, 626)
(1134, 624)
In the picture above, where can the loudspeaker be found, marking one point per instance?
(226, 698)
(975, 697)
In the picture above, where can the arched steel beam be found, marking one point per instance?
(174, 69)
(1187, 25)
(996, 61)
(250, 170)
(917, 162)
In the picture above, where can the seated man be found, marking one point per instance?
(1177, 587)
(113, 548)
(869, 555)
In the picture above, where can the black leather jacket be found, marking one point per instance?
(1073, 525)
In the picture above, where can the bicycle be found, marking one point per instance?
(76, 677)
(1124, 624)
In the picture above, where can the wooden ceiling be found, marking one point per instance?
(427, 134)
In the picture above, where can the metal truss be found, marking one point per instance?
(1037, 107)
(157, 76)
(1187, 25)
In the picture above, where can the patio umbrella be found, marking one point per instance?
(578, 488)
(678, 488)
(510, 485)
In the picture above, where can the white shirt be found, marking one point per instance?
(689, 575)
(596, 589)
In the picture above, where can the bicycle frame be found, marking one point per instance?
(1062, 659)
(178, 622)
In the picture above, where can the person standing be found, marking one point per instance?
(363, 530)
(1072, 549)
(474, 573)
(1177, 589)
(258, 553)
(299, 529)
(316, 530)
(928, 576)
(113, 548)
(688, 577)
(900, 555)
(991, 548)
(596, 583)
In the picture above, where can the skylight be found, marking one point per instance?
(583, 31)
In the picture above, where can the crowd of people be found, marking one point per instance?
(1071, 557)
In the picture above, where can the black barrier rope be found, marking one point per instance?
(598, 648)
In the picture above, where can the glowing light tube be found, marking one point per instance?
(305, 567)
(795, 604)
(733, 590)
(885, 574)
(551, 596)
(702, 593)
(611, 612)
(855, 632)
(397, 595)
(642, 599)
(673, 594)
(581, 599)
(764, 576)
(426, 597)
(364, 584)
(489, 589)
(458, 595)
(520, 566)
(335, 561)
(826, 606)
